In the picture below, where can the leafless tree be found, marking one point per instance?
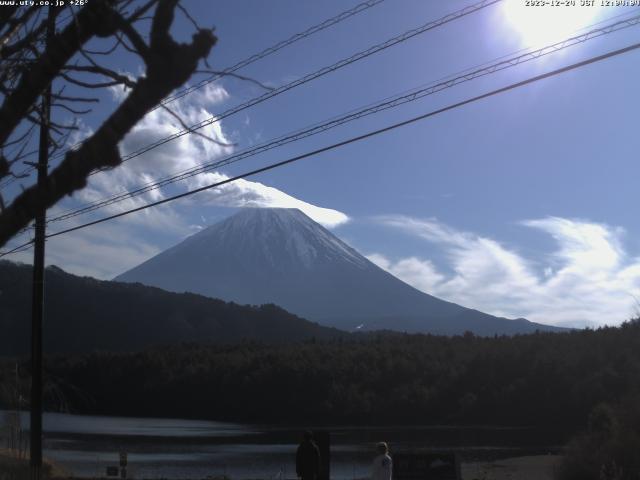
(29, 65)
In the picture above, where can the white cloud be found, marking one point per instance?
(106, 255)
(589, 279)
(84, 252)
(421, 274)
(185, 153)
(101, 251)
(587, 247)
(243, 193)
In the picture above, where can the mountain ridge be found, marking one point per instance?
(281, 256)
(83, 314)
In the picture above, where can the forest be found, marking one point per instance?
(584, 383)
(538, 379)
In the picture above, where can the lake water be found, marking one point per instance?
(171, 448)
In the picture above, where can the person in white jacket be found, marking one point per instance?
(382, 464)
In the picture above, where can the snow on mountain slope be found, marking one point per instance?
(280, 233)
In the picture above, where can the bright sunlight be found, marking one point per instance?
(543, 22)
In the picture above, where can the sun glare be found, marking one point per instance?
(543, 22)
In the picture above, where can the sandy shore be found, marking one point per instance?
(534, 467)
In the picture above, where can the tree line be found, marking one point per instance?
(380, 378)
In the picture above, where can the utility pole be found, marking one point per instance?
(37, 309)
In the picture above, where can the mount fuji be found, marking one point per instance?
(281, 256)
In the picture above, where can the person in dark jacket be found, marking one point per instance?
(308, 458)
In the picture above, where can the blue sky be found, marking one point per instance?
(519, 205)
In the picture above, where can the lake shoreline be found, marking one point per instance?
(178, 449)
(528, 467)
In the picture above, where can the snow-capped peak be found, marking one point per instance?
(276, 230)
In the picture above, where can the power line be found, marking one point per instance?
(307, 78)
(361, 7)
(317, 74)
(355, 139)
(9, 180)
(273, 49)
(20, 248)
(390, 102)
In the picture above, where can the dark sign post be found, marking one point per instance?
(426, 466)
(123, 465)
(323, 440)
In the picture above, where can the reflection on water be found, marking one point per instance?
(171, 448)
(153, 427)
(236, 461)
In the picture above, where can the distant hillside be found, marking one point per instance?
(84, 314)
(281, 256)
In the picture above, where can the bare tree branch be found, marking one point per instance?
(13, 25)
(139, 45)
(168, 66)
(216, 73)
(90, 20)
(7, 50)
(123, 79)
(195, 132)
(71, 110)
(20, 138)
(74, 99)
(142, 10)
(189, 17)
(108, 51)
